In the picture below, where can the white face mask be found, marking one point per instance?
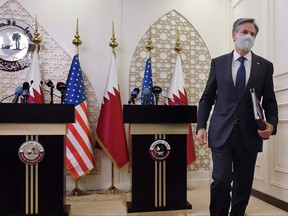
(245, 42)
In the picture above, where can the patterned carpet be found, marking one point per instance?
(93, 197)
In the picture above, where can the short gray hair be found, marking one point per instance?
(240, 21)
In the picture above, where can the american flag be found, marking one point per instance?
(34, 78)
(79, 151)
(146, 94)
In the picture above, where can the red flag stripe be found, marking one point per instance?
(38, 97)
(70, 167)
(76, 149)
(81, 115)
(80, 144)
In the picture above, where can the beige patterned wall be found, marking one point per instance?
(195, 61)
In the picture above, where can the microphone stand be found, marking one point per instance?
(145, 99)
(156, 98)
(133, 101)
(62, 99)
(51, 94)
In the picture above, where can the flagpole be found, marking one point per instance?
(112, 189)
(37, 39)
(77, 42)
(147, 97)
(149, 45)
(178, 49)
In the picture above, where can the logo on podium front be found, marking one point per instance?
(160, 150)
(31, 152)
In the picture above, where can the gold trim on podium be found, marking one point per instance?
(31, 185)
(160, 179)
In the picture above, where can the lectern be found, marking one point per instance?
(159, 171)
(32, 162)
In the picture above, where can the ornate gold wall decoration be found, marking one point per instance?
(54, 64)
(195, 59)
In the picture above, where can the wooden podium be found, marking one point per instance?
(31, 188)
(159, 170)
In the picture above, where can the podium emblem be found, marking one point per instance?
(160, 150)
(31, 152)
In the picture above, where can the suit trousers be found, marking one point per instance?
(232, 163)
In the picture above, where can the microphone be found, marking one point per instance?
(18, 93)
(49, 83)
(25, 91)
(62, 88)
(134, 94)
(146, 93)
(156, 90)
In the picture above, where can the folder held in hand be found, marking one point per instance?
(258, 111)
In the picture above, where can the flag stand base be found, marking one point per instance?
(77, 191)
(112, 189)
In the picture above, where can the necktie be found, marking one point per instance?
(240, 77)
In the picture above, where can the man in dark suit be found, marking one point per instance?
(233, 135)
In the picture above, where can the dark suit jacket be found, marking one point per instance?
(220, 92)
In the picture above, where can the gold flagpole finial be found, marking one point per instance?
(113, 43)
(77, 41)
(149, 45)
(178, 46)
(36, 39)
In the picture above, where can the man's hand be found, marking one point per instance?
(265, 134)
(201, 136)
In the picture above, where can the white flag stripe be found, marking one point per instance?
(74, 161)
(83, 115)
(112, 81)
(34, 79)
(177, 79)
(34, 74)
(83, 135)
(79, 149)
(80, 129)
